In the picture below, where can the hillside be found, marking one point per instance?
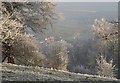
(12, 72)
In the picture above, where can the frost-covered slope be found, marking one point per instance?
(12, 72)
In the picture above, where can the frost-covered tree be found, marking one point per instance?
(106, 31)
(105, 68)
(16, 17)
(23, 47)
(56, 53)
(35, 15)
(107, 36)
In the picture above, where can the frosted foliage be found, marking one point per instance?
(106, 30)
(14, 18)
(26, 52)
(104, 68)
(36, 15)
(56, 52)
(7, 32)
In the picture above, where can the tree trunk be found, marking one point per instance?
(6, 49)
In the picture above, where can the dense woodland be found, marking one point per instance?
(97, 55)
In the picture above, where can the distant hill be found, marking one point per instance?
(79, 17)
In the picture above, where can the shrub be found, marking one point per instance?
(104, 68)
(25, 51)
(56, 53)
